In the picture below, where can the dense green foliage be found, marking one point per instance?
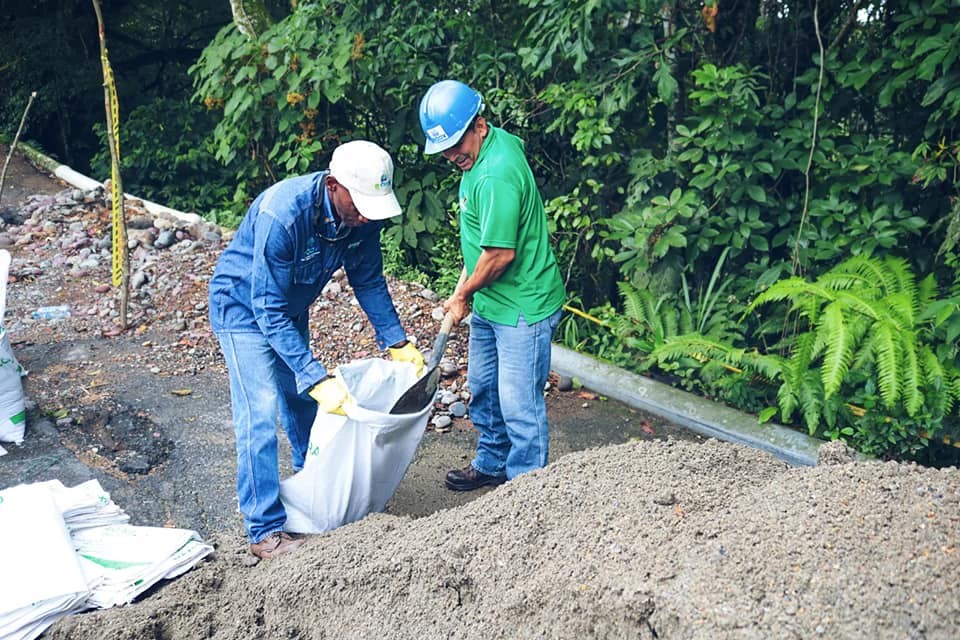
(51, 47)
(871, 356)
(710, 172)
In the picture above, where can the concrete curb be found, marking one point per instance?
(686, 409)
(80, 181)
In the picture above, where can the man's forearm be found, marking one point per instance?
(490, 266)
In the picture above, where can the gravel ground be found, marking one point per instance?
(647, 539)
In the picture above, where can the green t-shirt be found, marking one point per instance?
(500, 207)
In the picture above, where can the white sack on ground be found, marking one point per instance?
(127, 560)
(355, 462)
(12, 410)
(72, 551)
(42, 577)
(85, 505)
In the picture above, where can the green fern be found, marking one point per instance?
(702, 348)
(866, 332)
(913, 380)
(835, 334)
(884, 346)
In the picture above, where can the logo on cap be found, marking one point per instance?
(385, 183)
(437, 133)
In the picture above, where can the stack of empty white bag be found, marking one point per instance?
(85, 555)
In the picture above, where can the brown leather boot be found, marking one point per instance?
(275, 544)
(468, 479)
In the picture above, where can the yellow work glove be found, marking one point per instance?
(408, 353)
(331, 394)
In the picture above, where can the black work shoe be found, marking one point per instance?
(468, 479)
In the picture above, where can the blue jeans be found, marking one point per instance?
(507, 372)
(263, 388)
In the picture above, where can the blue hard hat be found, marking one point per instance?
(447, 109)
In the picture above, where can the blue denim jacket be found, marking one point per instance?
(281, 256)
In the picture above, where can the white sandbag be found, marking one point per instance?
(13, 414)
(126, 560)
(355, 462)
(42, 577)
(12, 410)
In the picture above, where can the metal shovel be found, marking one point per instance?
(421, 393)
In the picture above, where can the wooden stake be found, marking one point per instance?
(13, 145)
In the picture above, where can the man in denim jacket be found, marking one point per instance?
(292, 239)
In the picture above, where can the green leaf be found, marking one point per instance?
(756, 193)
(766, 415)
(666, 84)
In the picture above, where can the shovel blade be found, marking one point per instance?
(419, 395)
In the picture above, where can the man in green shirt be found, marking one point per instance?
(511, 279)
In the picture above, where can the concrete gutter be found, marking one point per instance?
(686, 409)
(80, 181)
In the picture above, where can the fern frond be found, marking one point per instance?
(900, 278)
(936, 377)
(933, 371)
(769, 366)
(927, 291)
(952, 387)
(858, 326)
(787, 400)
(819, 345)
(842, 281)
(811, 401)
(795, 288)
(832, 330)
(801, 355)
(691, 346)
(883, 343)
(633, 305)
(862, 304)
(902, 309)
(808, 307)
(912, 376)
(702, 348)
(860, 269)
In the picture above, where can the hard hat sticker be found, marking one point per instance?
(437, 133)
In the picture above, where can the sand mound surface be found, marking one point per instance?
(642, 540)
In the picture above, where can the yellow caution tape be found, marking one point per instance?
(116, 194)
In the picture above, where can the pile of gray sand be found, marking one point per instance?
(656, 539)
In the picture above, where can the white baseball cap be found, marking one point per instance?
(366, 170)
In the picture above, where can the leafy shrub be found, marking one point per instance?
(166, 156)
(865, 362)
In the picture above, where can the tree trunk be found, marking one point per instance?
(251, 17)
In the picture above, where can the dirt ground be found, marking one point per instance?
(636, 529)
